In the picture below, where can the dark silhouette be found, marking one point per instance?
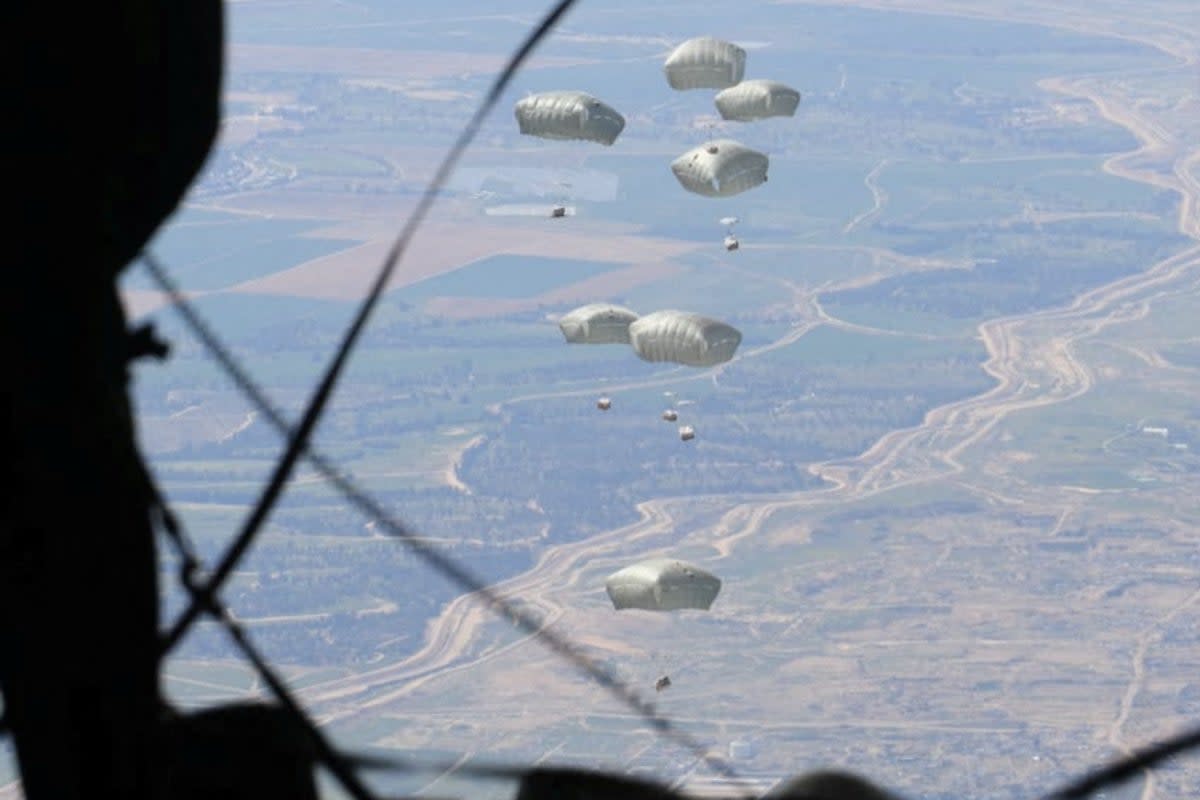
(111, 110)
(828, 785)
(239, 752)
(565, 783)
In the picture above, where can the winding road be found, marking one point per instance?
(1031, 356)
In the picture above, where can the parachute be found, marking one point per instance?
(720, 168)
(705, 63)
(597, 323)
(662, 584)
(568, 115)
(757, 99)
(684, 338)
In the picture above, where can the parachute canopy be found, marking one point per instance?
(597, 323)
(568, 115)
(662, 584)
(705, 63)
(757, 99)
(720, 168)
(684, 338)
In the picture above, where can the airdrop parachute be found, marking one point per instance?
(720, 168)
(568, 115)
(597, 323)
(662, 584)
(683, 338)
(705, 63)
(757, 99)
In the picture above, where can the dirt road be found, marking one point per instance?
(1031, 356)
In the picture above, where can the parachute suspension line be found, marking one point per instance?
(258, 398)
(204, 598)
(189, 563)
(1104, 777)
(338, 764)
(298, 441)
(423, 547)
(1124, 769)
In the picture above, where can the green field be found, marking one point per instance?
(928, 323)
(895, 608)
(940, 192)
(505, 276)
(323, 161)
(203, 250)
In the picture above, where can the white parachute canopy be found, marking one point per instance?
(662, 584)
(757, 99)
(568, 115)
(683, 337)
(705, 63)
(720, 168)
(597, 323)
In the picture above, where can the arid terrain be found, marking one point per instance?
(982, 598)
